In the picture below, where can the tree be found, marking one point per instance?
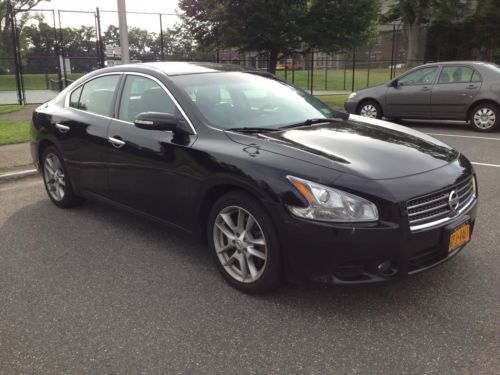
(271, 27)
(415, 15)
(340, 24)
(279, 27)
(485, 27)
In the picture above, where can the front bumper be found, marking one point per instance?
(351, 106)
(363, 253)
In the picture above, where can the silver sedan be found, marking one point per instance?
(460, 90)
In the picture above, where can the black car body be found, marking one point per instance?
(453, 90)
(178, 176)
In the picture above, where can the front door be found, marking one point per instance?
(147, 168)
(411, 95)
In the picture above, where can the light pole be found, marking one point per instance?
(122, 21)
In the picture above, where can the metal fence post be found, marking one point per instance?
(393, 47)
(11, 15)
(326, 73)
(61, 56)
(312, 71)
(58, 50)
(100, 50)
(162, 44)
(353, 66)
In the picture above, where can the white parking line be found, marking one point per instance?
(464, 136)
(486, 164)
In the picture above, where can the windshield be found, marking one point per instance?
(237, 99)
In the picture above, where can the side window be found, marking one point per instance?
(74, 99)
(141, 94)
(424, 76)
(97, 95)
(476, 77)
(455, 74)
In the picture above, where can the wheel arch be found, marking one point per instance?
(213, 193)
(369, 99)
(479, 102)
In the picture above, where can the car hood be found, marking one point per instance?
(372, 149)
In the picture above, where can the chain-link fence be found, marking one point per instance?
(47, 49)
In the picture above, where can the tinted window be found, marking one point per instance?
(424, 76)
(142, 94)
(97, 95)
(236, 99)
(455, 74)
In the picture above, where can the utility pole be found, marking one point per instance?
(122, 20)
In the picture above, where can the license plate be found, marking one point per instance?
(459, 237)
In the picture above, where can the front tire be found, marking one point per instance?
(56, 180)
(370, 109)
(485, 117)
(244, 244)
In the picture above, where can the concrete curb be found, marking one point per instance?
(9, 176)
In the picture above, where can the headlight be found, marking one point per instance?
(328, 204)
(352, 95)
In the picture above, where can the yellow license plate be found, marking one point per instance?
(460, 236)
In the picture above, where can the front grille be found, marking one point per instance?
(435, 206)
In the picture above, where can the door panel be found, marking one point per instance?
(148, 169)
(454, 92)
(84, 147)
(412, 95)
(82, 128)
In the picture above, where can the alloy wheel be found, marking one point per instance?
(54, 177)
(240, 244)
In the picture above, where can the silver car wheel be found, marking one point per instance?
(484, 118)
(240, 244)
(54, 177)
(369, 110)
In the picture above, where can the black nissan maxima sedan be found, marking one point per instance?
(279, 185)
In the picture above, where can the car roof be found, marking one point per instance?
(173, 68)
(457, 63)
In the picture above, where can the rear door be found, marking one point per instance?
(82, 126)
(411, 97)
(454, 91)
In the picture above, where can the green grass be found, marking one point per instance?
(9, 108)
(33, 81)
(334, 79)
(14, 132)
(335, 101)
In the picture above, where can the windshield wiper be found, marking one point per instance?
(251, 130)
(312, 121)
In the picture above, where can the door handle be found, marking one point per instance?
(62, 128)
(425, 88)
(116, 142)
(471, 87)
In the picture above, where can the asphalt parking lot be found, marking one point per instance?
(95, 290)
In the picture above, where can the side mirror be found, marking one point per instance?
(395, 83)
(162, 121)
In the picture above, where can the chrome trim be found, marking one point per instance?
(428, 202)
(144, 122)
(62, 128)
(472, 200)
(67, 98)
(116, 142)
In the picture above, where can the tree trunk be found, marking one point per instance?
(413, 37)
(273, 60)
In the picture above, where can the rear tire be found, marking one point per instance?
(57, 181)
(244, 244)
(370, 109)
(485, 117)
